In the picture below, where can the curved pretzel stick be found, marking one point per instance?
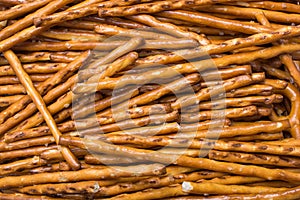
(215, 188)
(251, 12)
(291, 67)
(41, 106)
(259, 159)
(169, 28)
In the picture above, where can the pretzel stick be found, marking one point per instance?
(115, 30)
(257, 159)
(15, 2)
(151, 7)
(40, 68)
(55, 154)
(8, 100)
(202, 163)
(251, 12)
(81, 175)
(41, 106)
(14, 80)
(81, 12)
(21, 165)
(18, 196)
(108, 160)
(215, 188)
(169, 28)
(261, 136)
(28, 20)
(69, 35)
(208, 20)
(103, 46)
(251, 90)
(26, 143)
(228, 113)
(234, 180)
(42, 89)
(288, 62)
(22, 153)
(256, 39)
(271, 5)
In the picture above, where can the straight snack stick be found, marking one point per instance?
(81, 175)
(41, 106)
(258, 159)
(169, 28)
(14, 80)
(21, 9)
(42, 89)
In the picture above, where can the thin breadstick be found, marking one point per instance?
(41, 106)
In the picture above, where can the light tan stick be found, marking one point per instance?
(41, 106)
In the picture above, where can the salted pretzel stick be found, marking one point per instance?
(41, 68)
(55, 154)
(69, 35)
(51, 95)
(215, 188)
(115, 30)
(251, 12)
(256, 39)
(271, 5)
(8, 100)
(15, 89)
(28, 20)
(203, 163)
(263, 90)
(108, 160)
(151, 7)
(21, 9)
(79, 12)
(209, 20)
(20, 165)
(257, 159)
(41, 106)
(168, 28)
(19, 196)
(234, 180)
(81, 175)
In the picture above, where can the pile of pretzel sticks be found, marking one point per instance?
(147, 99)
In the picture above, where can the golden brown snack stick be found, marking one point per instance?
(209, 20)
(271, 5)
(257, 159)
(103, 46)
(203, 163)
(23, 153)
(35, 68)
(8, 100)
(108, 159)
(19, 196)
(259, 137)
(81, 175)
(28, 20)
(169, 28)
(117, 21)
(234, 180)
(274, 16)
(5, 80)
(255, 89)
(115, 30)
(55, 154)
(291, 67)
(81, 12)
(152, 7)
(42, 89)
(215, 188)
(69, 35)
(15, 89)
(256, 39)
(41, 106)
(228, 113)
(21, 9)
